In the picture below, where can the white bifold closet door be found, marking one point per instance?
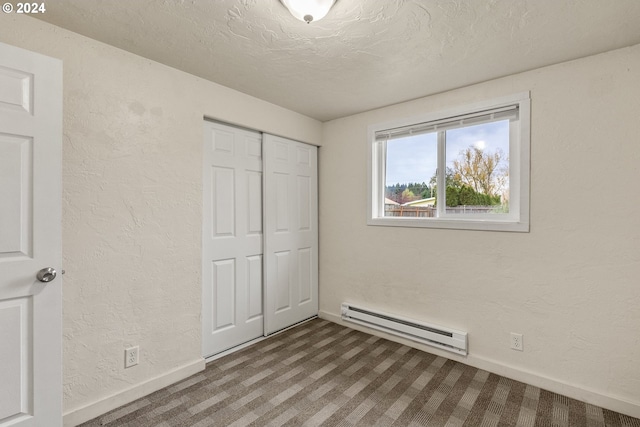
(291, 232)
(232, 238)
(254, 282)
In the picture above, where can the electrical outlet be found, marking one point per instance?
(516, 341)
(131, 356)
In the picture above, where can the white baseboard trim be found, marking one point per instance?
(88, 412)
(535, 379)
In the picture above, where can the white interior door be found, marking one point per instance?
(232, 237)
(291, 232)
(30, 230)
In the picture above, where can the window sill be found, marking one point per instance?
(456, 224)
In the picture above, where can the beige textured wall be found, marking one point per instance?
(570, 285)
(132, 174)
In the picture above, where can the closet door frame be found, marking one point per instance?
(287, 245)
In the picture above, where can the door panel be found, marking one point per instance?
(291, 232)
(304, 203)
(254, 279)
(232, 312)
(16, 87)
(254, 203)
(223, 292)
(30, 238)
(282, 284)
(15, 369)
(223, 196)
(16, 195)
(282, 209)
(305, 277)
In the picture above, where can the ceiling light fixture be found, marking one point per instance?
(309, 10)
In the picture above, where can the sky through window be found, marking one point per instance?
(414, 158)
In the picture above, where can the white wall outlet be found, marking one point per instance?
(131, 356)
(516, 341)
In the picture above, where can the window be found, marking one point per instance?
(465, 168)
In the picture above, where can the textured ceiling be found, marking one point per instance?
(365, 54)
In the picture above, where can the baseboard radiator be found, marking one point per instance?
(435, 336)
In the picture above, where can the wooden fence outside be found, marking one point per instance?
(410, 211)
(430, 211)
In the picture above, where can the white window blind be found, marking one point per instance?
(503, 113)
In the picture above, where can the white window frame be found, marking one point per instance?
(519, 160)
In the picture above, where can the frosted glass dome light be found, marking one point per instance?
(309, 10)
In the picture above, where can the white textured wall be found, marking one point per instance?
(132, 174)
(570, 285)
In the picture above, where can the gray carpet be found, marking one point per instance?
(323, 374)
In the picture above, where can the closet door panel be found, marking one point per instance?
(291, 232)
(232, 294)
